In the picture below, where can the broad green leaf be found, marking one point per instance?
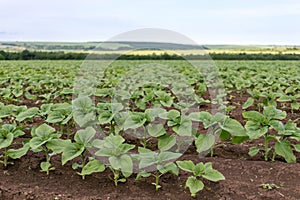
(142, 174)
(248, 103)
(85, 136)
(283, 148)
(194, 185)
(84, 119)
(272, 113)
(277, 125)
(254, 115)
(45, 166)
(105, 117)
(123, 163)
(284, 98)
(6, 140)
(92, 166)
(156, 130)
(154, 112)
(239, 140)
(253, 151)
(57, 145)
(44, 131)
(55, 117)
(168, 168)
(213, 175)
(255, 134)
(234, 127)
(147, 159)
(18, 153)
(70, 152)
(167, 156)
(37, 142)
(166, 142)
(134, 121)
(170, 115)
(204, 142)
(199, 169)
(186, 165)
(29, 113)
(185, 127)
(297, 147)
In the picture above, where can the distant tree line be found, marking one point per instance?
(60, 55)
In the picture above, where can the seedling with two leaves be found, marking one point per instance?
(199, 170)
(156, 164)
(258, 126)
(113, 150)
(9, 132)
(82, 142)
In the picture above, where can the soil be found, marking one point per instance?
(244, 177)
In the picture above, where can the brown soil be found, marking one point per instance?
(244, 177)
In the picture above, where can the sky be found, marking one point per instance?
(266, 22)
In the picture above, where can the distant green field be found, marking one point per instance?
(144, 48)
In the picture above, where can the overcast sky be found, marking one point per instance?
(205, 21)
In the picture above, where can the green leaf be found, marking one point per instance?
(85, 136)
(185, 127)
(199, 169)
(142, 174)
(156, 130)
(204, 142)
(37, 142)
(44, 131)
(239, 140)
(167, 156)
(272, 113)
(253, 151)
(166, 142)
(186, 165)
(234, 127)
(123, 163)
(71, 151)
(248, 103)
(168, 168)
(283, 148)
(134, 121)
(45, 166)
(213, 175)
(29, 113)
(254, 115)
(58, 145)
(6, 140)
(18, 153)
(55, 117)
(255, 134)
(297, 147)
(194, 185)
(92, 166)
(170, 115)
(154, 112)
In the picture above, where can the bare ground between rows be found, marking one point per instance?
(243, 180)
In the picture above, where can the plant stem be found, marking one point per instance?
(145, 137)
(68, 132)
(266, 147)
(47, 159)
(83, 163)
(5, 158)
(116, 177)
(211, 151)
(156, 181)
(178, 143)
